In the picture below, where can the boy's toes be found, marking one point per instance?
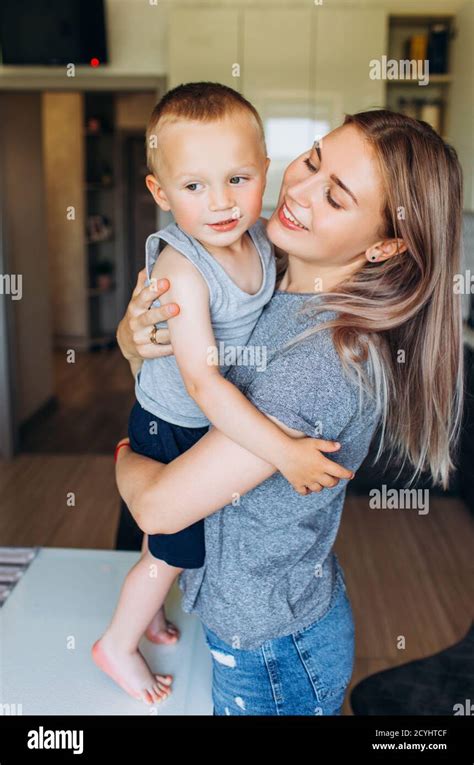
(163, 685)
(159, 693)
(165, 679)
(170, 634)
(147, 697)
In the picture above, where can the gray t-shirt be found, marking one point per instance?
(269, 568)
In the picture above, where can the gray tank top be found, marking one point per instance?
(159, 387)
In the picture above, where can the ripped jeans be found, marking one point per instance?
(305, 673)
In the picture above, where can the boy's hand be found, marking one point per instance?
(308, 470)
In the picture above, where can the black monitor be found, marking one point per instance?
(52, 32)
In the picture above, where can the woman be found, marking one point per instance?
(363, 328)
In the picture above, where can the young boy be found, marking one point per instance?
(207, 156)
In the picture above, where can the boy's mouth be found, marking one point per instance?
(225, 225)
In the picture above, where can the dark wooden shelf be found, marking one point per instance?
(98, 291)
(99, 186)
(100, 241)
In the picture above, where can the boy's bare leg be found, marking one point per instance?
(116, 652)
(160, 630)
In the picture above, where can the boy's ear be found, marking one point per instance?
(156, 190)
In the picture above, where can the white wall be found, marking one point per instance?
(137, 37)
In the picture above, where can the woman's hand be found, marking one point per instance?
(134, 330)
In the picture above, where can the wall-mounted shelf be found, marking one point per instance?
(99, 187)
(100, 241)
(425, 40)
(101, 215)
(435, 79)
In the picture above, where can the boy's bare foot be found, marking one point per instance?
(161, 631)
(131, 672)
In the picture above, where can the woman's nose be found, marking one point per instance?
(302, 191)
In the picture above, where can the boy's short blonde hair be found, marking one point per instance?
(201, 101)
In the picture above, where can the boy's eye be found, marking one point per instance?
(193, 186)
(236, 178)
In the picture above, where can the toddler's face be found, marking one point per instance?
(212, 177)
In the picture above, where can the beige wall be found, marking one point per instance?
(63, 144)
(25, 239)
(138, 36)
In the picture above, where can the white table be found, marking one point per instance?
(66, 598)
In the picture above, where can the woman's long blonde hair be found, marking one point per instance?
(405, 309)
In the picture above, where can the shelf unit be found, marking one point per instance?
(100, 189)
(427, 102)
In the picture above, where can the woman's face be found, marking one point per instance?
(330, 205)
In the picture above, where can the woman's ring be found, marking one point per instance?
(153, 336)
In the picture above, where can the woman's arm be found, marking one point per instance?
(195, 349)
(164, 499)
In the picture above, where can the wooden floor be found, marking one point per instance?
(94, 397)
(408, 575)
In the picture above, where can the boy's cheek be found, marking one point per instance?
(255, 201)
(186, 214)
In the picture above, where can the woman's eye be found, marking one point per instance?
(327, 190)
(192, 186)
(329, 198)
(237, 178)
(310, 165)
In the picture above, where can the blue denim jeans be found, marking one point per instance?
(305, 673)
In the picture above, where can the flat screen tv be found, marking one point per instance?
(52, 32)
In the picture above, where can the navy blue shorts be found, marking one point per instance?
(186, 548)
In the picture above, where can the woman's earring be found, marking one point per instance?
(373, 257)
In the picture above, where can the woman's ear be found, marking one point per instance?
(156, 190)
(385, 249)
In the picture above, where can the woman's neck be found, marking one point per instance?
(304, 277)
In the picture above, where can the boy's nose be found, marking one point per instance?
(221, 200)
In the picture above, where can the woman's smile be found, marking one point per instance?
(286, 217)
